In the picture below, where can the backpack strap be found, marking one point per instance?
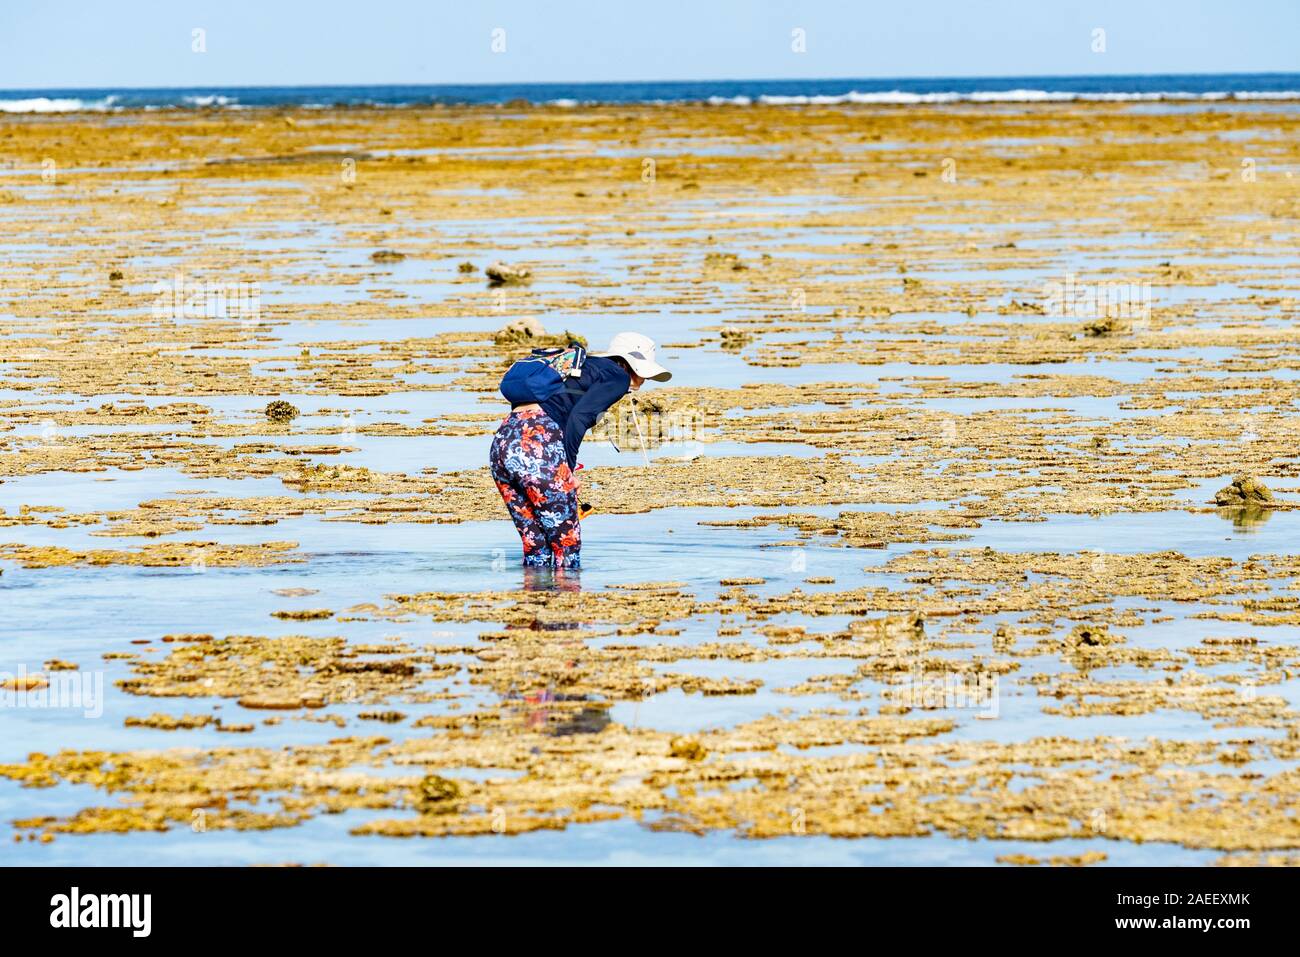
(579, 357)
(554, 358)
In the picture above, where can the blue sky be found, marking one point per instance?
(128, 43)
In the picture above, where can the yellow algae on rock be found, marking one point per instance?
(167, 722)
(163, 555)
(436, 795)
(1244, 490)
(30, 682)
(280, 411)
(687, 748)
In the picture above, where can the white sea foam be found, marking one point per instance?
(903, 97)
(1267, 95)
(44, 104)
(212, 99)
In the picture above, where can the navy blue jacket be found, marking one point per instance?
(576, 407)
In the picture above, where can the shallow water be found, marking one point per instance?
(306, 266)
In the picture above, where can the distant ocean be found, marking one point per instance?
(1206, 88)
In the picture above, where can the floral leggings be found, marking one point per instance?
(540, 491)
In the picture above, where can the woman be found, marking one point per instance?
(534, 456)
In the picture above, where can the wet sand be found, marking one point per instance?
(939, 549)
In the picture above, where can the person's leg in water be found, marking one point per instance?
(539, 489)
(504, 463)
(555, 502)
(552, 491)
(550, 578)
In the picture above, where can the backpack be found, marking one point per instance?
(542, 374)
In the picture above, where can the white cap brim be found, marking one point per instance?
(642, 367)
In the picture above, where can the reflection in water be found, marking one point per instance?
(1246, 518)
(546, 711)
(590, 720)
(538, 625)
(560, 714)
(552, 579)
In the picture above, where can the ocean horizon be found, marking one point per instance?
(1192, 87)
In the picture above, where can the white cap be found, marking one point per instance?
(639, 352)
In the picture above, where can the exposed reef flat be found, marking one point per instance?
(969, 511)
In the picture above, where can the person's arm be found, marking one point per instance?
(600, 395)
